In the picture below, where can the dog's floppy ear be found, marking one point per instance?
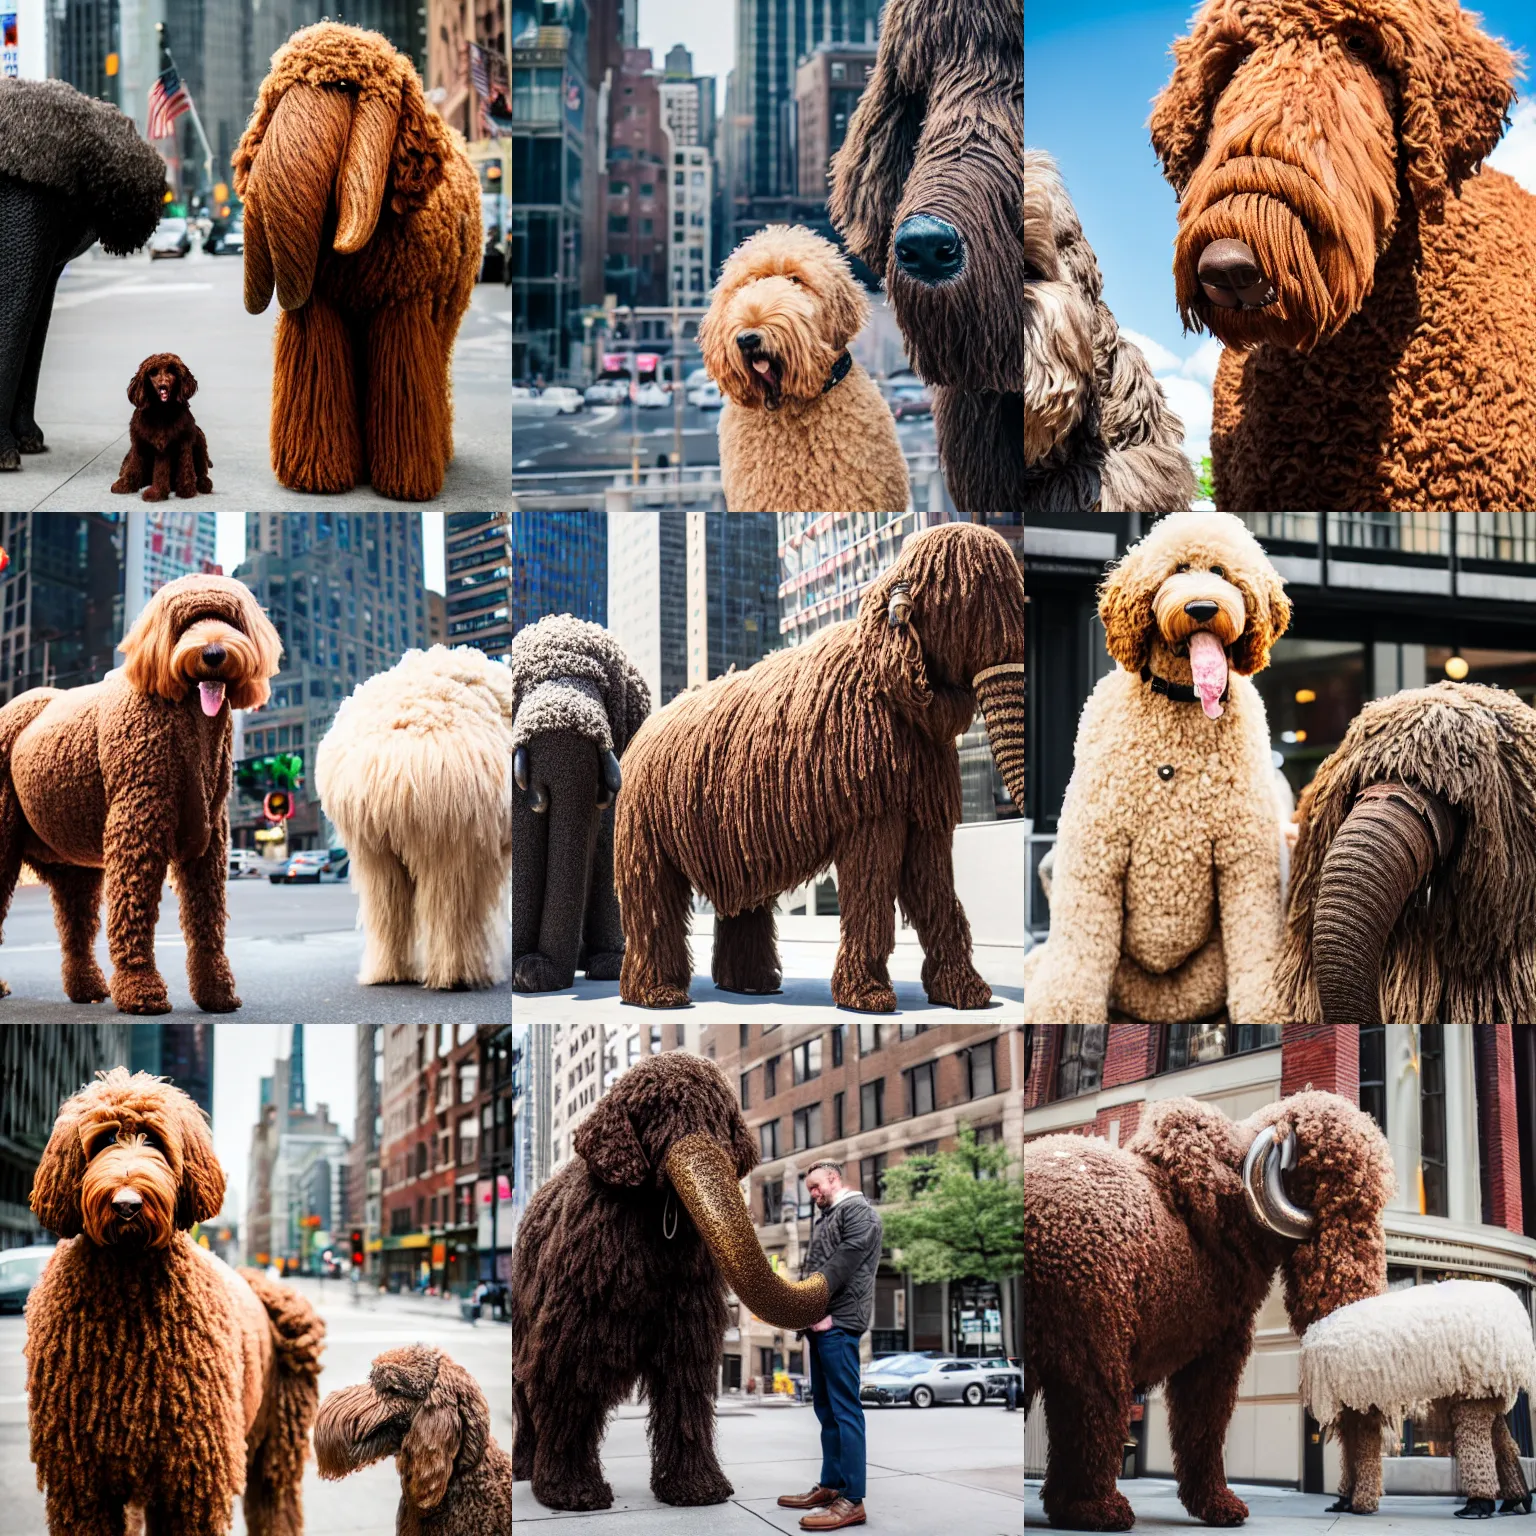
(187, 382)
(1269, 616)
(607, 1143)
(1125, 608)
(56, 1184)
(138, 385)
(149, 646)
(1203, 66)
(416, 159)
(202, 1176)
(454, 1414)
(1199, 1150)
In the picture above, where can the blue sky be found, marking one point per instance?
(1091, 69)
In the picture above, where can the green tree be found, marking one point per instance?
(1205, 483)
(956, 1215)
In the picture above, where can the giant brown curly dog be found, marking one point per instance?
(1148, 1263)
(839, 751)
(1371, 285)
(429, 1413)
(362, 209)
(122, 778)
(158, 1379)
(166, 448)
(619, 1274)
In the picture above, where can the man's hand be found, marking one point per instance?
(822, 1326)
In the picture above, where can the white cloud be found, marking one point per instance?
(1190, 401)
(1201, 363)
(1516, 153)
(1158, 357)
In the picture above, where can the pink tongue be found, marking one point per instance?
(212, 697)
(1208, 662)
(762, 365)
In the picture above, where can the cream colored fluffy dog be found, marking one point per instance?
(416, 773)
(803, 429)
(1166, 897)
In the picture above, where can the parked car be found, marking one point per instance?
(171, 238)
(227, 237)
(569, 400)
(909, 400)
(315, 865)
(244, 861)
(696, 378)
(607, 392)
(532, 402)
(998, 1370)
(20, 1270)
(277, 872)
(707, 396)
(923, 1383)
(649, 396)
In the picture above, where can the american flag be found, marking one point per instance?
(487, 78)
(168, 99)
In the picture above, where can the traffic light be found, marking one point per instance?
(278, 805)
(357, 1247)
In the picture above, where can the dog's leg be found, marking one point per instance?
(407, 403)
(530, 864)
(523, 1438)
(201, 462)
(456, 906)
(658, 965)
(386, 898)
(927, 894)
(159, 486)
(133, 475)
(90, 1511)
(315, 442)
(680, 1387)
(567, 1466)
(135, 857)
(12, 826)
(747, 952)
(603, 932)
(29, 436)
(200, 885)
(29, 218)
(186, 469)
(868, 875)
(77, 916)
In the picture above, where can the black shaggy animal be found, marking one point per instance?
(619, 1275)
(72, 171)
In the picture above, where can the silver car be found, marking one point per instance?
(923, 1383)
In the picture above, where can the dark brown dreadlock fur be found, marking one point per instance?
(839, 751)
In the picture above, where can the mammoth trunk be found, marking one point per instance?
(1000, 693)
(705, 1180)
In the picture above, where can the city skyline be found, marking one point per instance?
(230, 545)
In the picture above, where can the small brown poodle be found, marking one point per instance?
(840, 751)
(160, 1383)
(1148, 1264)
(115, 781)
(429, 1413)
(804, 429)
(166, 448)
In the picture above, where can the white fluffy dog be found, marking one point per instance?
(416, 773)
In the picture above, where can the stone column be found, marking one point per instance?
(1402, 1097)
(1463, 1173)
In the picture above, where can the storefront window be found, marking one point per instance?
(1373, 1072)
(1190, 1043)
(1082, 1059)
(1312, 689)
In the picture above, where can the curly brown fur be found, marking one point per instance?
(1142, 1265)
(429, 1413)
(363, 212)
(649, 1309)
(1340, 140)
(1464, 951)
(116, 781)
(780, 317)
(838, 751)
(1098, 434)
(158, 1380)
(166, 447)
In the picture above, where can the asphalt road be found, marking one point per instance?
(366, 1501)
(111, 313)
(294, 950)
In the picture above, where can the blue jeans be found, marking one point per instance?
(835, 1395)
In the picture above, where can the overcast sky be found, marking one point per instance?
(229, 548)
(708, 31)
(242, 1055)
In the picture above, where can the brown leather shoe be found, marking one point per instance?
(815, 1499)
(835, 1516)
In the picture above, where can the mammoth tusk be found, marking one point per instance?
(1268, 1203)
(999, 691)
(537, 800)
(611, 775)
(520, 767)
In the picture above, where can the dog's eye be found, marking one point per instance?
(1182, 566)
(795, 280)
(1032, 273)
(1219, 570)
(1360, 45)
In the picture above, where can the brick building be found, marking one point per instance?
(1455, 1103)
(828, 84)
(866, 1095)
(637, 191)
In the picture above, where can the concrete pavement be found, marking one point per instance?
(942, 1471)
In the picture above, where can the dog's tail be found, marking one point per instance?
(273, 1484)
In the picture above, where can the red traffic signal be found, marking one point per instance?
(278, 805)
(357, 1247)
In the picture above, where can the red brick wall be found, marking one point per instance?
(1498, 1130)
(1322, 1056)
(1042, 1067)
(1131, 1053)
(1129, 1116)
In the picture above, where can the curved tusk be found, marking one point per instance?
(1268, 1203)
(537, 800)
(899, 606)
(520, 767)
(611, 775)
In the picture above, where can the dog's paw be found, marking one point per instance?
(140, 992)
(698, 1488)
(123, 486)
(864, 995)
(5, 991)
(85, 983)
(605, 966)
(537, 973)
(9, 459)
(658, 995)
(205, 486)
(29, 438)
(216, 999)
(578, 1493)
(957, 986)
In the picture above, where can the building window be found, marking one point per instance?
(920, 1089)
(1187, 1044)
(837, 1029)
(807, 1127)
(908, 1028)
(400, 1221)
(803, 1204)
(618, 224)
(807, 1060)
(839, 71)
(746, 1083)
(744, 1039)
(1432, 1117)
(768, 1140)
(770, 1077)
(872, 1104)
(869, 1039)
(837, 1117)
(421, 1158)
(1373, 1072)
(1029, 1047)
(986, 1135)
(1082, 1059)
(773, 1201)
(647, 189)
(617, 188)
(981, 1070)
(872, 1178)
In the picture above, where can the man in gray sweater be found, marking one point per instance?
(845, 1247)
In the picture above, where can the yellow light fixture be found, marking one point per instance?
(1301, 735)
(1456, 667)
(1305, 696)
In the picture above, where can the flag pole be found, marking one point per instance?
(197, 122)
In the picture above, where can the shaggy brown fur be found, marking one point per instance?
(121, 778)
(1143, 1265)
(938, 134)
(429, 1413)
(648, 1307)
(838, 751)
(791, 440)
(1340, 143)
(166, 448)
(158, 1378)
(1464, 951)
(362, 209)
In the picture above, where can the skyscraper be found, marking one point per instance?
(182, 1052)
(559, 565)
(478, 578)
(296, 1071)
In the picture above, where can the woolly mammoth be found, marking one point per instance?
(1413, 884)
(1148, 1264)
(576, 701)
(649, 1216)
(362, 211)
(927, 190)
(72, 171)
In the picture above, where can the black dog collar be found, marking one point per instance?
(1181, 693)
(839, 371)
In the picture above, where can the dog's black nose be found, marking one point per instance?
(928, 248)
(746, 340)
(1202, 612)
(126, 1203)
(1231, 276)
(213, 655)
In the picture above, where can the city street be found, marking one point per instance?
(363, 1504)
(294, 949)
(112, 312)
(934, 1472)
